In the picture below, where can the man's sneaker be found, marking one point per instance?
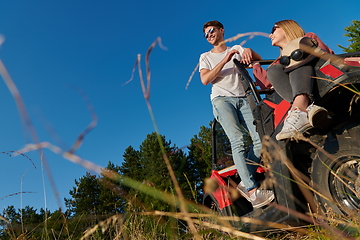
(242, 189)
(318, 116)
(296, 121)
(261, 198)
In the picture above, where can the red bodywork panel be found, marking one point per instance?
(331, 71)
(221, 194)
(280, 110)
(352, 61)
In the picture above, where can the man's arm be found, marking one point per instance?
(207, 75)
(249, 55)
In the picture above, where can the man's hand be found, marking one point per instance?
(229, 55)
(207, 76)
(247, 56)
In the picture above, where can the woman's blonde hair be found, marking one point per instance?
(291, 28)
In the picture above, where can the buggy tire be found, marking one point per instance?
(335, 173)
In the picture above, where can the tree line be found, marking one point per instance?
(97, 197)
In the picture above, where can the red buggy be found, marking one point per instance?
(330, 160)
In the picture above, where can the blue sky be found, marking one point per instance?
(54, 48)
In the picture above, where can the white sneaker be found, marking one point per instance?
(259, 198)
(296, 121)
(317, 116)
(242, 189)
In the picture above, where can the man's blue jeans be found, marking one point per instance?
(232, 113)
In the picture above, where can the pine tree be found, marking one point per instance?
(131, 165)
(94, 199)
(148, 167)
(353, 32)
(85, 196)
(111, 196)
(10, 223)
(26, 222)
(200, 155)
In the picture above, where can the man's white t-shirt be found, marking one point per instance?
(228, 82)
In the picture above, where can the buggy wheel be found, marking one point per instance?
(335, 173)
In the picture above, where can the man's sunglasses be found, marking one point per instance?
(206, 35)
(273, 29)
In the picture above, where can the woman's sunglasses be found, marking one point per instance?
(273, 29)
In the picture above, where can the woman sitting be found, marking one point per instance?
(294, 85)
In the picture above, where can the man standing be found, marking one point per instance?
(231, 108)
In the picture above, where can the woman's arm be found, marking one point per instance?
(260, 76)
